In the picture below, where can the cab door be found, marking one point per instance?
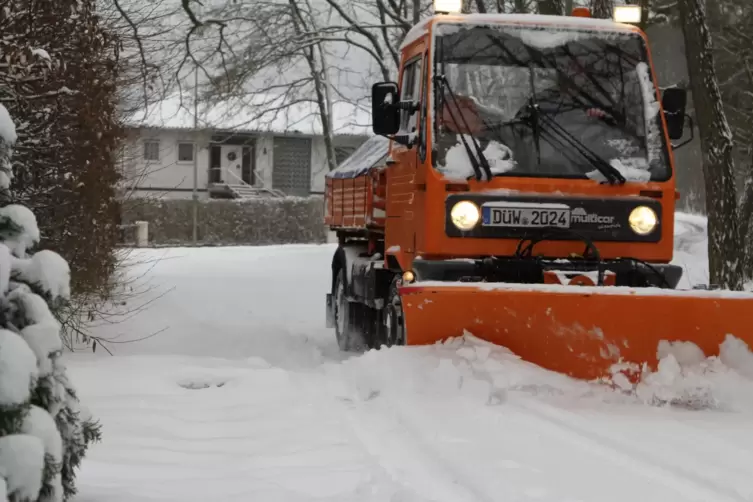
(403, 199)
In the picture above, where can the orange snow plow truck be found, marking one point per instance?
(521, 188)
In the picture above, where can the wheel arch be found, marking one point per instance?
(342, 260)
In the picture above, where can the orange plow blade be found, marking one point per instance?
(580, 331)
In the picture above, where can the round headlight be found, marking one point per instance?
(465, 215)
(643, 220)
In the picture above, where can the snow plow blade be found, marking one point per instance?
(579, 331)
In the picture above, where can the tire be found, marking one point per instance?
(344, 329)
(394, 320)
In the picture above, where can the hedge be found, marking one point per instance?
(223, 222)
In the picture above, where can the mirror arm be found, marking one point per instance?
(692, 134)
(403, 139)
(409, 106)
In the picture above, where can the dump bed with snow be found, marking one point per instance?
(354, 192)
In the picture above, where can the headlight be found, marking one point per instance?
(465, 215)
(642, 220)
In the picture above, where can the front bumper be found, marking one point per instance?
(632, 273)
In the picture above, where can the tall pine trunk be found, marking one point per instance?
(725, 238)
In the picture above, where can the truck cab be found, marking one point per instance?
(494, 112)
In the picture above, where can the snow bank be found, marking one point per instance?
(465, 368)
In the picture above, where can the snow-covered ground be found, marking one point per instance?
(244, 396)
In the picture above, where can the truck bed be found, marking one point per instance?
(355, 191)
(355, 203)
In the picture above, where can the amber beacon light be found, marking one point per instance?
(630, 14)
(448, 6)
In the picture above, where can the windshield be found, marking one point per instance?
(546, 103)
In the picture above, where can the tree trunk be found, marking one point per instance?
(319, 75)
(724, 239)
(550, 7)
(602, 9)
(746, 219)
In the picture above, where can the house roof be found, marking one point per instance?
(257, 114)
(371, 153)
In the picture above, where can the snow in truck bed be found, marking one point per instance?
(244, 396)
(372, 152)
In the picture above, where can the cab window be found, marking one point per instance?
(410, 91)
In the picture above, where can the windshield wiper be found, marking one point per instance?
(534, 122)
(533, 109)
(481, 161)
(537, 116)
(608, 170)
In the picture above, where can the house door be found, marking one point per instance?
(231, 164)
(215, 164)
(247, 165)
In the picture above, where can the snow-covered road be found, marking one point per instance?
(244, 396)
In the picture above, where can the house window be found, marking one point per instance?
(185, 152)
(151, 150)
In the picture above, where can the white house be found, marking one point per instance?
(237, 153)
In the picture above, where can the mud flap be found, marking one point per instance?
(580, 331)
(330, 312)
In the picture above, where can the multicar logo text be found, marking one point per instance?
(579, 215)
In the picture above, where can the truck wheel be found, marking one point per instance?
(341, 306)
(394, 321)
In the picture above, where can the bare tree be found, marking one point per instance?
(725, 237)
(288, 59)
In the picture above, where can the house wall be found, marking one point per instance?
(169, 178)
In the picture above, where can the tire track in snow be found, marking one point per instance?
(396, 473)
(393, 441)
(694, 485)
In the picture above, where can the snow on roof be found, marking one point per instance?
(372, 152)
(422, 27)
(262, 114)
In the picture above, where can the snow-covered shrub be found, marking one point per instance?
(43, 432)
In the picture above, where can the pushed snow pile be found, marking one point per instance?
(685, 377)
(464, 368)
(472, 370)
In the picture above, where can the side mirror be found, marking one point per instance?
(674, 102)
(385, 112)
